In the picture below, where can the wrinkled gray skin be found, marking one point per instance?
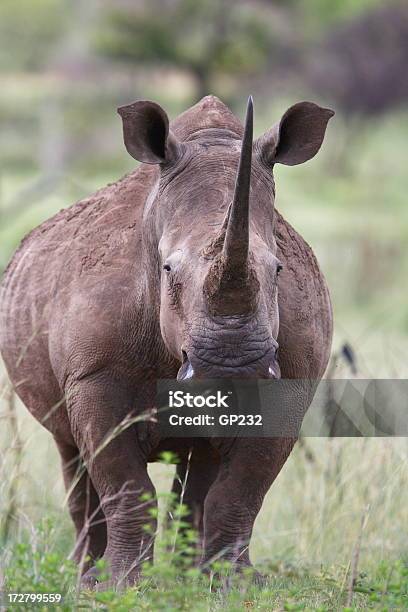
(137, 283)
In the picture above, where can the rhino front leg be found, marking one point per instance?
(84, 507)
(99, 410)
(234, 500)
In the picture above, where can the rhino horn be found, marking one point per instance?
(229, 277)
(236, 242)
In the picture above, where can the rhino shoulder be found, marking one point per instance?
(305, 311)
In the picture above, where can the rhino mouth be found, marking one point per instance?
(193, 367)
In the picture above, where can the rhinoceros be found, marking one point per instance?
(183, 268)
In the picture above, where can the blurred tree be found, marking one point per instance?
(28, 31)
(205, 38)
(319, 14)
(362, 64)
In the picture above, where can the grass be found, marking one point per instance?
(162, 588)
(350, 205)
(38, 564)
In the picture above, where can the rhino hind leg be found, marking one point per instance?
(85, 509)
(194, 476)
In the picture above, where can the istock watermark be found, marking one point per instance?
(283, 408)
(180, 399)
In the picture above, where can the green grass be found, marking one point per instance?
(38, 564)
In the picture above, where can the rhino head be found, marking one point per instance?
(209, 227)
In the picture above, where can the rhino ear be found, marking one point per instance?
(297, 137)
(146, 133)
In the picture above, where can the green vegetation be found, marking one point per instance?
(334, 498)
(38, 564)
(44, 22)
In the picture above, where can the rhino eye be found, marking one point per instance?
(167, 267)
(279, 269)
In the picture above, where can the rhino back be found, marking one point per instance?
(78, 245)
